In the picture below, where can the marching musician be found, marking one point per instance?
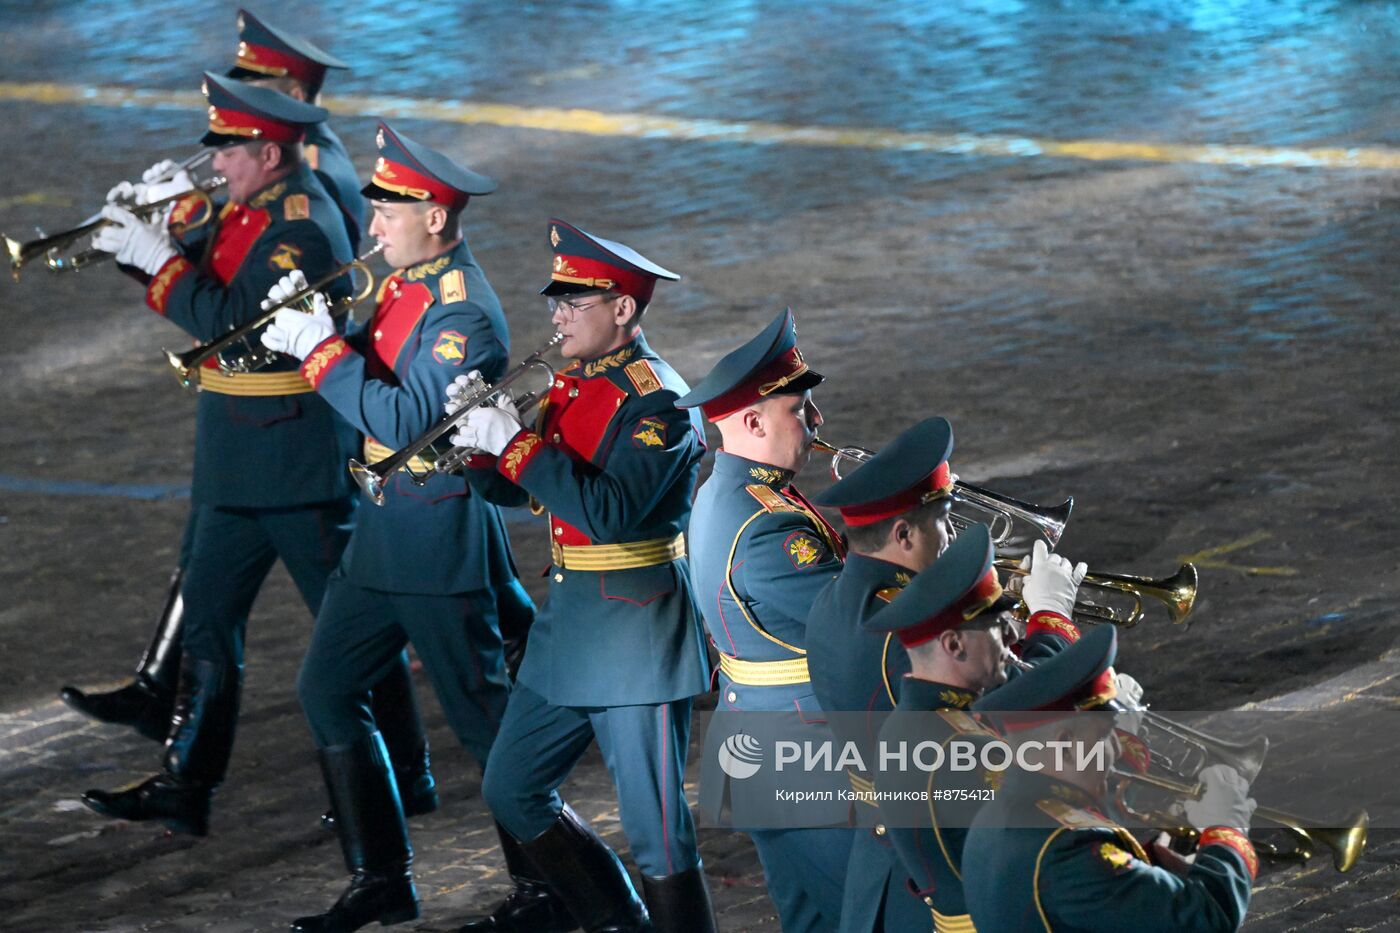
(762, 553)
(269, 480)
(956, 627)
(424, 566)
(1043, 854)
(616, 653)
(270, 57)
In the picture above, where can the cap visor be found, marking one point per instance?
(376, 193)
(555, 289)
(808, 380)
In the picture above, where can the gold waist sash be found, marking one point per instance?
(765, 673)
(627, 556)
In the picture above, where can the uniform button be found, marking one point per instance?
(379, 335)
(731, 696)
(558, 578)
(879, 829)
(558, 532)
(928, 901)
(244, 220)
(559, 383)
(573, 392)
(557, 438)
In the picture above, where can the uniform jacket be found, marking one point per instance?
(326, 155)
(1072, 870)
(259, 451)
(761, 554)
(613, 461)
(433, 322)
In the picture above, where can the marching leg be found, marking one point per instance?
(373, 839)
(531, 906)
(588, 876)
(148, 701)
(196, 756)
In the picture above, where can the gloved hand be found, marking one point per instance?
(292, 331)
(1226, 801)
(1129, 690)
(177, 181)
(461, 388)
(147, 246)
(1053, 582)
(488, 428)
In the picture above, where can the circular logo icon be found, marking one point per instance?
(740, 756)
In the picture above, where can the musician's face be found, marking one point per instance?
(984, 658)
(405, 229)
(930, 537)
(249, 167)
(786, 424)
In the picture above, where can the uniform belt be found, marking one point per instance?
(627, 556)
(865, 790)
(765, 673)
(375, 451)
(216, 380)
(953, 923)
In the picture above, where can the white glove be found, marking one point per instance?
(488, 429)
(1053, 582)
(1226, 801)
(177, 181)
(147, 246)
(295, 332)
(1129, 690)
(460, 388)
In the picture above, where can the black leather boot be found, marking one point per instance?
(149, 700)
(531, 906)
(680, 903)
(395, 708)
(373, 839)
(196, 755)
(588, 877)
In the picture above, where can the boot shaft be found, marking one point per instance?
(680, 903)
(587, 875)
(368, 814)
(205, 719)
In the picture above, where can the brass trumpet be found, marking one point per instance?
(1346, 842)
(372, 477)
(1201, 749)
(52, 246)
(187, 364)
(973, 505)
(1177, 593)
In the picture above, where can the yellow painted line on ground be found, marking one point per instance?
(647, 126)
(1207, 558)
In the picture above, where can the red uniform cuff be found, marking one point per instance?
(1134, 751)
(1054, 624)
(523, 448)
(323, 359)
(481, 461)
(1234, 839)
(158, 292)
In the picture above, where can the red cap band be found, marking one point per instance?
(986, 591)
(400, 179)
(759, 385)
(277, 64)
(1099, 691)
(934, 486)
(228, 122)
(594, 273)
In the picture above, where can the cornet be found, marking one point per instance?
(1177, 593)
(186, 364)
(1347, 842)
(372, 477)
(974, 505)
(52, 247)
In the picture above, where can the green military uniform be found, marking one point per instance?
(762, 553)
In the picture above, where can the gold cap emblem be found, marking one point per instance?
(554, 236)
(379, 139)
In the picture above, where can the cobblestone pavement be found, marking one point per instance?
(1198, 346)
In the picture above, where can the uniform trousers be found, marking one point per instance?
(806, 874)
(644, 748)
(229, 552)
(361, 634)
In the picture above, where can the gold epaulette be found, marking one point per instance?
(964, 724)
(769, 498)
(888, 593)
(643, 377)
(1072, 817)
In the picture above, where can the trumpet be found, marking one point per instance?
(1200, 749)
(187, 364)
(1346, 842)
(372, 477)
(973, 505)
(1177, 593)
(52, 246)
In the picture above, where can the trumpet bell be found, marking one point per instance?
(370, 482)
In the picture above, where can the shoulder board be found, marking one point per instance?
(644, 378)
(296, 207)
(571, 367)
(452, 286)
(270, 195)
(769, 498)
(312, 154)
(964, 724)
(1072, 817)
(888, 593)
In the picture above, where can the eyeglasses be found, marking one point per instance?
(569, 310)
